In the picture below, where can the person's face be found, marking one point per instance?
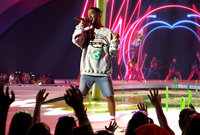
(93, 15)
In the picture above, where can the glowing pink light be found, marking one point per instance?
(143, 66)
(119, 24)
(118, 14)
(84, 9)
(136, 8)
(126, 12)
(111, 13)
(122, 40)
(94, 5)
(133, 33)
(198, 29)
(118, 27)
(139, 10)
(118, 76)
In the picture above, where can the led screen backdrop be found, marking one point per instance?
(39, 40)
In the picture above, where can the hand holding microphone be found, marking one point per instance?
(83, 20)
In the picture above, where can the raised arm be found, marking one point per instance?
(112, 127)
(143, 107)
(191, 106)
(40, 98)
(74, 98)
(155, 99)
(5, 102)
(79, 36)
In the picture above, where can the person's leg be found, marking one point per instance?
(105, 85)
(157, 73)
(198, 73)
(178, 74)
(191, 75)
(131, 74)
(127, 76)
(111, 106)
(135, 74)
(85, 84)
(169, 75)
(149, 74)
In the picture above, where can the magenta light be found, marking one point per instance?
(118, 14)
(84, 9)
(111, 13)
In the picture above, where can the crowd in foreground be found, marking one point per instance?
(23, 123)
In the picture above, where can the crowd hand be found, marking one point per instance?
(112, 127)
(41, 96)
(74, 98)
(116, 36)
(5, 99)
(142, 107)
(191, 106)
(154, 97)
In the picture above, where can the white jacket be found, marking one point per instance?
(97, 49)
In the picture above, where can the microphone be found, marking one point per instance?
(83, 19)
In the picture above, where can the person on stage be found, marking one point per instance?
(195, 70)
(132, 69)
(153, 69)
(174, 69)
(99, 44)
(139, 38)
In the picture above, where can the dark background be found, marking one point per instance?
(40, 41)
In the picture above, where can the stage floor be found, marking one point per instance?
(133, 92)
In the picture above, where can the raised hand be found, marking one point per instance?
(191, 106)
(112, 127)
(74, 98)
(142, 107)
(41, 96)
(154, 97)
(5, 99)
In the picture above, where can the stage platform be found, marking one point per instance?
(61, 84)
(126, 102)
